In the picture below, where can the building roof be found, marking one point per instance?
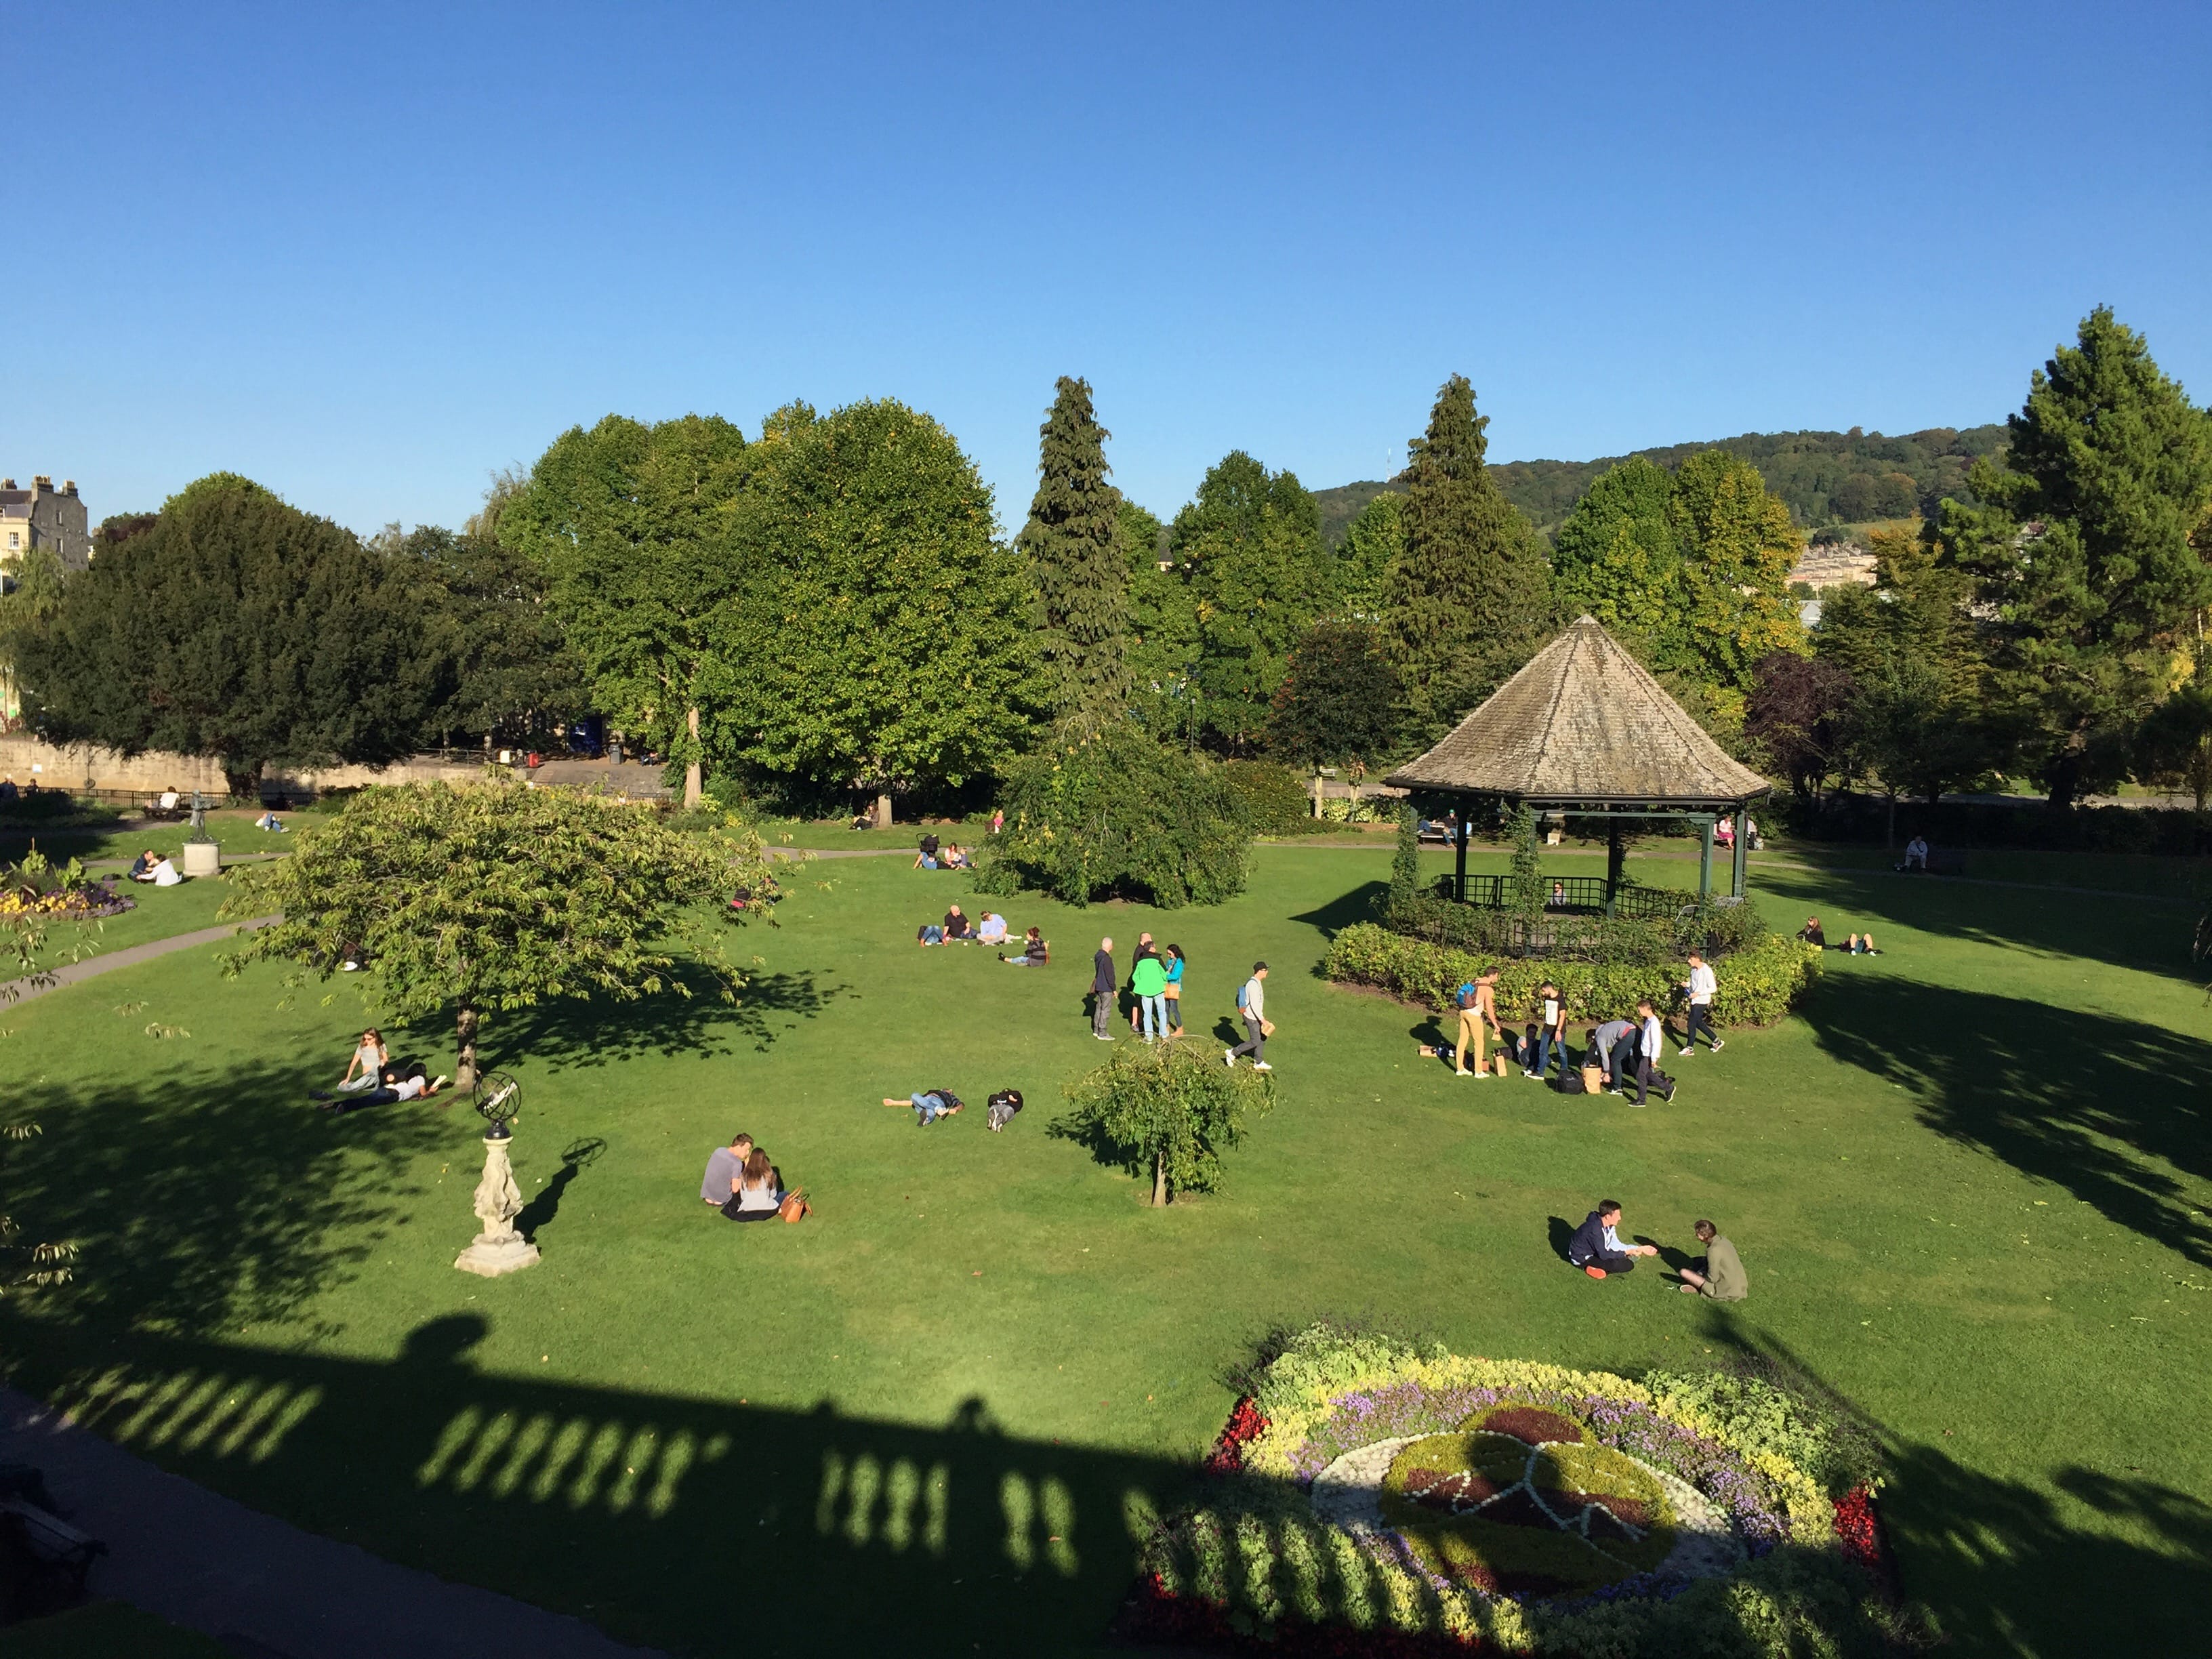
(1584, 723)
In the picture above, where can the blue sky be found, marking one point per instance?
(366, 254)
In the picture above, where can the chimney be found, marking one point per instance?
(42, 480)
(68, 486)
(7, 483)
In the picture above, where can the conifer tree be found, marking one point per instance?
(1076, 559)
(2080, 542)
(1470, 599)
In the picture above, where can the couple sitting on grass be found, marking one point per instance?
(743, 1185)
(953, 857)
(932, 1104)
(958, 929)
(1812, 932)
(374, 1079)
(1597, 1250)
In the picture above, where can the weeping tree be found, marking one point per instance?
(494, 897)
(1166, 1112)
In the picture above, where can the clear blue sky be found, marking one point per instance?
(368, 253)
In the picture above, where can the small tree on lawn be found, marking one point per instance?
(493, 897)
(1165, 1112)
(1405, 867)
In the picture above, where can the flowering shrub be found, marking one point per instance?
(1758, 986)
(1792, 1568)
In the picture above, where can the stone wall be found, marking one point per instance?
(80, 767)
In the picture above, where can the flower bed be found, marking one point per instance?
(1372, 1498)
(74, 905)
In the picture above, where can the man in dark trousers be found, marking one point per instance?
(1596, 1248)
(1103, 983)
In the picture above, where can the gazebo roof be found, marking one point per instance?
(1584, 723)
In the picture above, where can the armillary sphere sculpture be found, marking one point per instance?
(499, 1248)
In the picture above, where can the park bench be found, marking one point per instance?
(1945, 861)
(1434, 834)
(57, 1553)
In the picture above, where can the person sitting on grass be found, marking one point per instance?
(142, 867)
(1035, 953)
(991, 929)
(364, 1069)
(1724, 1278)
(1811, 933)
(165, 874)
(757, 1193)
(402, 1080)
(725, 1165)
(1596, 1248)
(929, 1105)
(929, 934)
(956, 858)
(958, 930)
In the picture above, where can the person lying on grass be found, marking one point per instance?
(1724, 1278)
(1861, 944)
(395, 1083)
(723, 1165)
(1596, 1248)
(928, 1106)
(758, 1192)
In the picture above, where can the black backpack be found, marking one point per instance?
(1570, 1081)
(1000, 1108)
(949, 1099)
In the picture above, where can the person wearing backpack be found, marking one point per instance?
(1252, 1003)
(1478, 1008)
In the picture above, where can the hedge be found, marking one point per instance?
(1758, 986)
(2030, 826)
(1718, 930)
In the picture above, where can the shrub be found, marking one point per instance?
(1758, 986)
(1165, 1112)
(1270, 796)
(1118, 812)
(1717, 929)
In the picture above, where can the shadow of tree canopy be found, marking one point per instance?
(2108, 1109)
(659, 1518)
(212, 1196)
(598, 1030)
(2148, 934)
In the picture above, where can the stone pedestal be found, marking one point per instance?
(203, 858)
(498, 1248)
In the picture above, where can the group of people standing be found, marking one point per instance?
(1155, 989)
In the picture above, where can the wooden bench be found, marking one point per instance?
(1945, 861)
(64, 1553)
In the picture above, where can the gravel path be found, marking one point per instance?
(262, 1588)
(23, 990)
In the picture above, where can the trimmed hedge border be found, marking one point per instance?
(1758, 986)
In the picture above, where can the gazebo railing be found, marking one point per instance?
(1574, 895)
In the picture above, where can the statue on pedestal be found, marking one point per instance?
(499, 1248)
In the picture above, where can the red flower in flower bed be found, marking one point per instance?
(1858, 1530)
(1245, 1423)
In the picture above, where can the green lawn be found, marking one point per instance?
(1970, 1184)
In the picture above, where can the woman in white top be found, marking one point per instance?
(756, 1195)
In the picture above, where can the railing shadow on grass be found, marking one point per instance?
(2112, 1110)
(661, 1518)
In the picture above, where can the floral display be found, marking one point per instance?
(1375, 1498)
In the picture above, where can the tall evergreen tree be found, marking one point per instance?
(1470, 599)
(2081, 544)
(1073, 546)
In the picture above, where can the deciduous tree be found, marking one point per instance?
(490, 898)
(1338, 704)
(1165, 1112)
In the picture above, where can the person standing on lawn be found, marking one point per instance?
(1171, 993)
(1252, 1003)
(1611, 1045)
(1596, 1248)
(1651, 1043)
(1478, 1008)
(1149, 979)
(1103, 981)
(1701, 985)
(1145, 948)
(1724, 1278)
(1551, 1031)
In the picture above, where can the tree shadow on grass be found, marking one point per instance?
(638, 1511)
(1363, 904)
(692, 1020)
(2112, 1110)
(2151, 936)
(212, 1196)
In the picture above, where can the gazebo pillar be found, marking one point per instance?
(1743, 844)
(1459, 858)
(1616, 861)
(1705, 861)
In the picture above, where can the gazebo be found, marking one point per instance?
(1583, 731)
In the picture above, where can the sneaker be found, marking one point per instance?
(1261, 1066)
(1527, 1073)
(1594, 1271)
(1719, 1043)
(1228, 1058)
(1638, 1104)
(1687, 1053)
(1102, 1037)
(1462, 1073)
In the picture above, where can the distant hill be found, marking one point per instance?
(1827, 477)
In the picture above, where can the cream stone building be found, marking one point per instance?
(43, 516)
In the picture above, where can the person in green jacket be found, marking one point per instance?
(1724, 1278)
(1149, 979)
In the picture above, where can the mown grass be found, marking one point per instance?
(1970, 1184)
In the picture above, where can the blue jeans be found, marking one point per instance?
(927, 1108)
(1541, 1064)
(1155, 1009)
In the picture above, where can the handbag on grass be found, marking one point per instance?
(795, 1206)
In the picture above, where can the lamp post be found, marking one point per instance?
(499, 1248)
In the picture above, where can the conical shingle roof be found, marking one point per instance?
(1583, 722)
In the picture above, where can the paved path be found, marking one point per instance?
(22, 990)
(265, 1588)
